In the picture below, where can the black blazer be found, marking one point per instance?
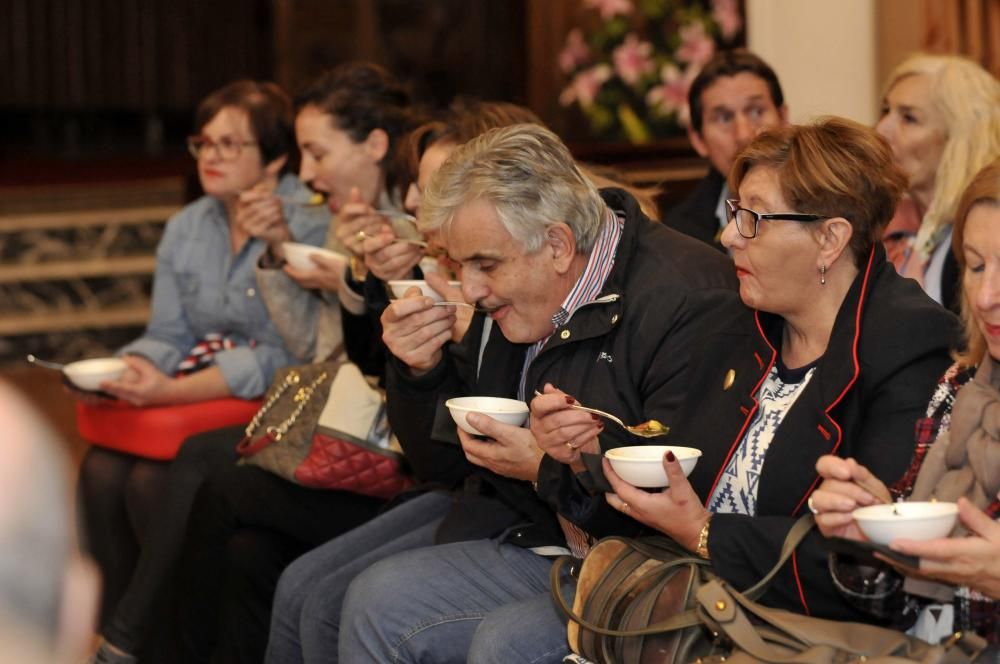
(695, 215)
(889, 345)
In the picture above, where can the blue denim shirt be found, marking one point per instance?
(200, 287)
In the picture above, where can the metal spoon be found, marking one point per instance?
(398, 214)
(399, 240)
(45, 363)
(877, 489)
(647, 429)
(484, 310)
(313, 200)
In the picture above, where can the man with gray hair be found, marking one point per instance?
(576, 291)
(47, 592)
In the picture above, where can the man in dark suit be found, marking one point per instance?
(734, 96)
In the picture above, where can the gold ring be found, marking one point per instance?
(570, 446)
(624, 507)
(361, 236)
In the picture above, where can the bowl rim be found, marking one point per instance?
(414, 282)
(302, 246)
(468, 409)
(79, 365)
(870, 513)
(685, 453)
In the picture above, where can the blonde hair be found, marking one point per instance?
(968, 98)
(529, 177)
(984, 189)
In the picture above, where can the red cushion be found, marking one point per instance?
(158, 431)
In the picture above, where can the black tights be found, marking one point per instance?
(117, 495)
(137, 513)
(246, 526)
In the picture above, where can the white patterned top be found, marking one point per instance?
(736, 492)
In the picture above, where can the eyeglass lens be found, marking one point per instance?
(227, 148)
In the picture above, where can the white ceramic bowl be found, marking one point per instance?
(299, 255)
(508, 411)
(398, 287)
(916, 521)
(89, 374)
(642, 465)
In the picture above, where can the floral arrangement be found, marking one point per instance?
(630, 68)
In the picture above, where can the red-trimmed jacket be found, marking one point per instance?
(889, 345)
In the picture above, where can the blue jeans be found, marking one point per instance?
(305, 619)
(475, 602)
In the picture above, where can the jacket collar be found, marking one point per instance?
(840, 365)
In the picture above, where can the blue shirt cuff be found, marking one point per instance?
(163, 355)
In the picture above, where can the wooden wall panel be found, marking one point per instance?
(128, 54)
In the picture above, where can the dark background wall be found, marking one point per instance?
(106, 78)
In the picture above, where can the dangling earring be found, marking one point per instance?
(822, 275)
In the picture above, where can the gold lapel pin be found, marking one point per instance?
(728, 381)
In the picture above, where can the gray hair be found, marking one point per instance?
(35, 522)
(529, 177)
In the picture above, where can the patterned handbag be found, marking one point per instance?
(323, 426)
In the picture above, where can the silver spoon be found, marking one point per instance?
(877, 489)
(398, 214)
(446, 303)
(398, 240)
(647, 429)
(45, 363)
(313, 200)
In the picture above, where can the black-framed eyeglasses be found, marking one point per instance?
(747, 220)
(226, 147)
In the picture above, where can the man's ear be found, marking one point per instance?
(560, 241)
(834, 237)
(377, 144)
(697, 142)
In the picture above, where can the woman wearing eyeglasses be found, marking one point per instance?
(210, 335)
(810, 364)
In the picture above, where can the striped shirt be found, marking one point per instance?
(585, 290)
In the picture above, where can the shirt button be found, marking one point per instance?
(564, 334)
(251, 292)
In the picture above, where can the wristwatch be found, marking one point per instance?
(702, 549)
(358, 269)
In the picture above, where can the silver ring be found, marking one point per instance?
(809, 504)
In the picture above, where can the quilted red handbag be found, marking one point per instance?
(323, 426)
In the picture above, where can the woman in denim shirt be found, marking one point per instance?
(210, 335)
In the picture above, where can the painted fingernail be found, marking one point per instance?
(670, 456)
(570, 400)
(595, 417)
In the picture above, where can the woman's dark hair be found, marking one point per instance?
(464, 120)
(730, 63)
(269, 110)
(361, 97)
